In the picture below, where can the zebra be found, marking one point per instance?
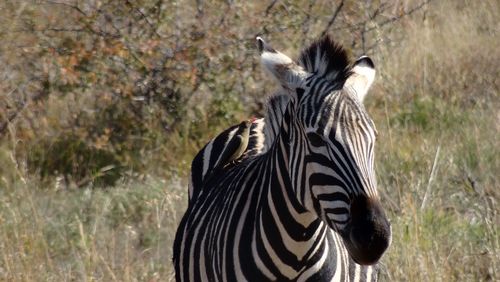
(305, 206)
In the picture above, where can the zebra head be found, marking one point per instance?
(332, 142)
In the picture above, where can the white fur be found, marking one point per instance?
(271, 60)
(284, 69)
(360, 81)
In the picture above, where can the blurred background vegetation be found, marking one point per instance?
(104, 103)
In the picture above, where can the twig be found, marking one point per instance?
(332, 19)
(270, 6)
(145, 18)
(62, 29)
(88, 26)
(398, 17)
(378, 12)
(306, 21)
(431, 178)
(363, 38)
(74, 7)
(11, 117)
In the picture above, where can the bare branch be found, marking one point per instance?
(306, 23)
(42, 93)
(377, 12)
(74, 7)
(270, 6)
(398, 17)
(333, 18)
(63, 29)
(144, 17)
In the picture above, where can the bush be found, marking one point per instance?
(72, 158)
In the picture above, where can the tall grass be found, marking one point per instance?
(123, 234)
(437, 111)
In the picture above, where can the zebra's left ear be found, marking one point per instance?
(363, 74)
(285, 70)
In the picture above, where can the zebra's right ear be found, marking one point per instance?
(289, 74)
(361, 78)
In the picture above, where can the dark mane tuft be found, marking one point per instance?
(326, 58)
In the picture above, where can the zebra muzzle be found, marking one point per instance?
(368, 235)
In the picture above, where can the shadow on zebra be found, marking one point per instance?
(300, 203)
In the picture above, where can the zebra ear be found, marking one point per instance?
(361, 78)
(284, 69)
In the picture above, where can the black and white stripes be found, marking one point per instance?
(302, 203)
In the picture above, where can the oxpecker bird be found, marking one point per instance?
(236, 145)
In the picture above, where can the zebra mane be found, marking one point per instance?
(326, 58)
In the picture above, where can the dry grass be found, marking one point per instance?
(123, 234)
(437, 89)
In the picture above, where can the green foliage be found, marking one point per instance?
(71, 157)
(429, 113)
(419, 114)
(223, 109)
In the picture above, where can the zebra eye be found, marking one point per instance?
(315, 139)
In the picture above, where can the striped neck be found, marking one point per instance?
(290, 234)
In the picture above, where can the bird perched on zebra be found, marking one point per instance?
(236, 145)
(305, 206)
(223, 150)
